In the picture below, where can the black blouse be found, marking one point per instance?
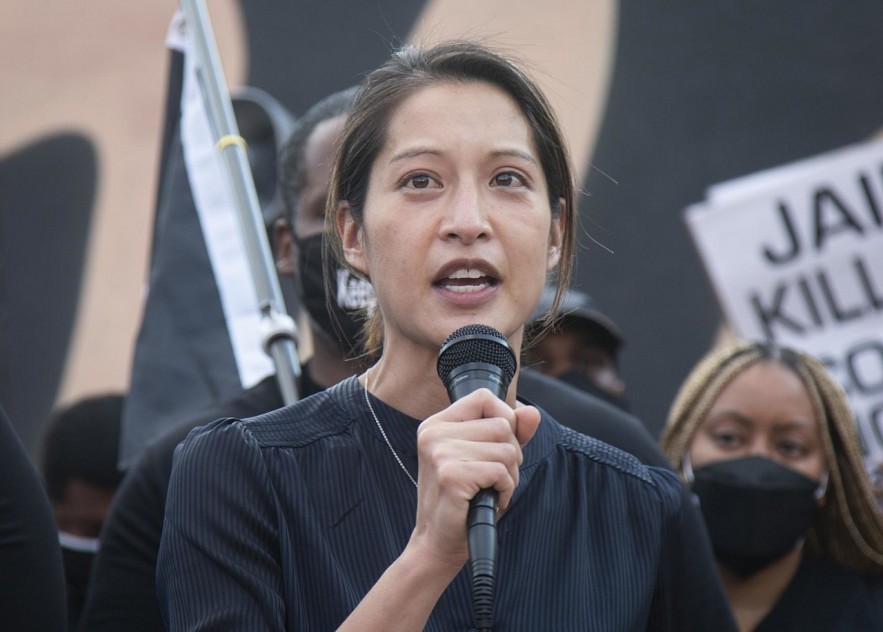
(286, 520)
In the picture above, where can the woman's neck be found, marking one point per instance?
(752, 599)
(412, 387)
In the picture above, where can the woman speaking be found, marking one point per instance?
(452, 193)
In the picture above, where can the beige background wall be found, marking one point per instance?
(99, 67)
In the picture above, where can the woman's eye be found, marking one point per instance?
(791, 448)
(420, 181)
(507, 179)
(727, 440)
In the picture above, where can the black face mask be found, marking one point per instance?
(351, 296)
(579, 380)
(756, 510)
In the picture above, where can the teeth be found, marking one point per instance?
(466, 289)
(465, 273)
(466, 281)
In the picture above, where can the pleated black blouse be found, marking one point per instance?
(286, 520)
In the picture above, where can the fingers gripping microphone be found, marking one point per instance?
(474, 357)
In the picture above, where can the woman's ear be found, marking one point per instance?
(556, 237)
(351, 238)
(283, 247)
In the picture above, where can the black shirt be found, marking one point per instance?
(824, 597)
(123, 591)
(286, 520)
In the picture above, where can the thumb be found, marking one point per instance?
(527, 420)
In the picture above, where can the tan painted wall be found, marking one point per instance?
(99, 67)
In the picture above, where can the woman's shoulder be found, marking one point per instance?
(326, 413)
(589, 415)
(624, 466)
(604, 453)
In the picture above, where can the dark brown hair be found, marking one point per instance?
(411, 69)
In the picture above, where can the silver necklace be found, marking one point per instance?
(383, 432)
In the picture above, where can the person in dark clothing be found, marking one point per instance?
(79, 463)
(32, 592)
(122, 594)
(767, 440)
(581, 348)
(591, 539)
(123, 591)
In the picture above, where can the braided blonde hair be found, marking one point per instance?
(848, 528)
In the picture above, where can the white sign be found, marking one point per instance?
(795, 256)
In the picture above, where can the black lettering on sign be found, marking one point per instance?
(810, 301)
(829, 224)
(871, 199)
(771, 314)
(875, 421)
(820, 299)
(864, 366)
(830, 214)
(868, 284)
(792, 242)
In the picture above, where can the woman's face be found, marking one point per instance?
(457, 224)
(763, 411)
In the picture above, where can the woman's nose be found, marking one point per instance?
(760, 447)
(466, 217)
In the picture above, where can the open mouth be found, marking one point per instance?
(466, 280)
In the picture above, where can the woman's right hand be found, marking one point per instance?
(475, 443)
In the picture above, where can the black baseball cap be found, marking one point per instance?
(577, 305)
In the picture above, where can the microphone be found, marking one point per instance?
(474, 357)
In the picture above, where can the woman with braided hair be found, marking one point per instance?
(767, 441)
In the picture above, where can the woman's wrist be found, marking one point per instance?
(406, 593)
(423, 557)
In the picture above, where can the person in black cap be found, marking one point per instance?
(582, 349)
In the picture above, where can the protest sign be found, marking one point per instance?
(795, 256)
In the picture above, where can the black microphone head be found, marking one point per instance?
(479, 348)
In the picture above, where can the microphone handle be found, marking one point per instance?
(481, 520)
(481, 524)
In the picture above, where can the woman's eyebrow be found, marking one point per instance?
(730, 415)
(500, 153)
(413, 153)
(795, 424)
(514, 153)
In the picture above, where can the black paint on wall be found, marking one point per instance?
(702, 93)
